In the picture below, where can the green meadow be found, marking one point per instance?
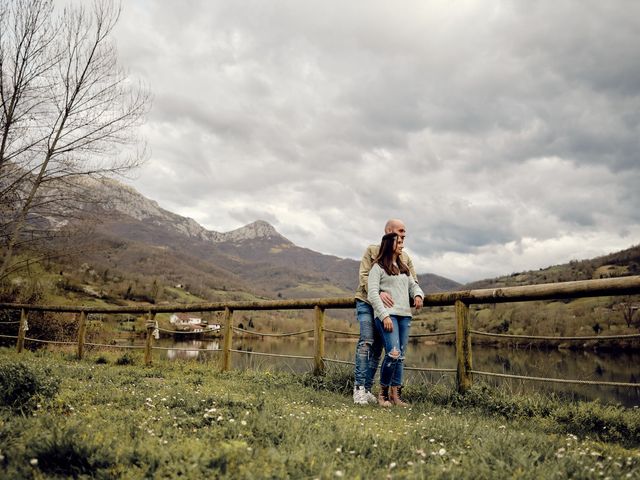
(109, 416)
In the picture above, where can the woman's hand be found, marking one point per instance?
(387, 324)
(418, 302)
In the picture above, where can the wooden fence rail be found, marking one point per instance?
(461, 300)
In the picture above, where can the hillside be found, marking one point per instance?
(625, 262)
(579, 317)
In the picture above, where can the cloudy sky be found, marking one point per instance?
(505, 134)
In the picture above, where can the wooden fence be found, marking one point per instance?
(461, 300)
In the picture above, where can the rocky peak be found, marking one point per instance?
(257, 229)
(116, 196)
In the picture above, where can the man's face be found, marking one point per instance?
(399, 229)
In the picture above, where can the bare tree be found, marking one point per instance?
(629, 309)
(70, 113)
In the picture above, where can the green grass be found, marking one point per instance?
(187, 419)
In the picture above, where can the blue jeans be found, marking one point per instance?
(369, 346)
(395, 346)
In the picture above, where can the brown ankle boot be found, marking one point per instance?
(383, 397)
(394, 397)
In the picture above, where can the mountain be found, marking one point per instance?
(431, 283)
(138, 237)
(127, 201)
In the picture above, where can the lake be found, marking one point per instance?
(530, 361)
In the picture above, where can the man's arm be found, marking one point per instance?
(412, 269)
(365, 267)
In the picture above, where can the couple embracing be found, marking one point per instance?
(388, 283)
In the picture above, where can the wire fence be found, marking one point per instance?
(264, 334)
(557, 338)
(463, 332)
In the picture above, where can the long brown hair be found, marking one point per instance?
(385, 256)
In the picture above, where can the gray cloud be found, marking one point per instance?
(505, 134)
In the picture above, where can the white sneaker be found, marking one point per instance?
(359, 396)
(370, 397)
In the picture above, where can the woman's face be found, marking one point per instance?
(397, 246)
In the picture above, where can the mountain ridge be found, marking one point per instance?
(127, 200)
(254, 257)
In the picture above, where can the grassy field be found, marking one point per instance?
(110, 417)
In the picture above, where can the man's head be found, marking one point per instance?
(396, 226)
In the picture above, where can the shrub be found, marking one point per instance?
(70, 451)
(126, 359)
(339, 380)
(53, 326)
(610, 423)
(21, 386)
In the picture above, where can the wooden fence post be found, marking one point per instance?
(82, 329)
(22, 330)
(228, 337)
(463, 346)
(149, 343)
(318, 338)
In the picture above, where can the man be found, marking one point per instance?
(370, 344)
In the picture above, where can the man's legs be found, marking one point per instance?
(367, 352)
(374, 356)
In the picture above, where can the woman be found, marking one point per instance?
(390, 274)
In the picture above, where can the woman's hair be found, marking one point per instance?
(385, 256)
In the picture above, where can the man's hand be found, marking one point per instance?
(387, 324)
(387, 300)
(418, 302)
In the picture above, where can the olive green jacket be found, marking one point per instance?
(366, 263)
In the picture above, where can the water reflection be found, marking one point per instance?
(189, 349)
(581, 365)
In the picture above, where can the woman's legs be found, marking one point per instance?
(395, 344)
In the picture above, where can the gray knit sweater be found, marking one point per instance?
(400, 287)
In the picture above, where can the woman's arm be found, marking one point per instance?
(415, 292)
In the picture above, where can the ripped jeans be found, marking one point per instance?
(369, 346)
(395, 346)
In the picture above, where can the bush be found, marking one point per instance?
(610, 423)
(339, 380)
(126, 359)
(71, 451)
(22, 385)
(59, 327)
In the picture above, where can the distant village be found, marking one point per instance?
(186, 322)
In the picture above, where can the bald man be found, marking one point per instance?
(370, 344)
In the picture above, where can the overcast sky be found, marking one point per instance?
(505, 134)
